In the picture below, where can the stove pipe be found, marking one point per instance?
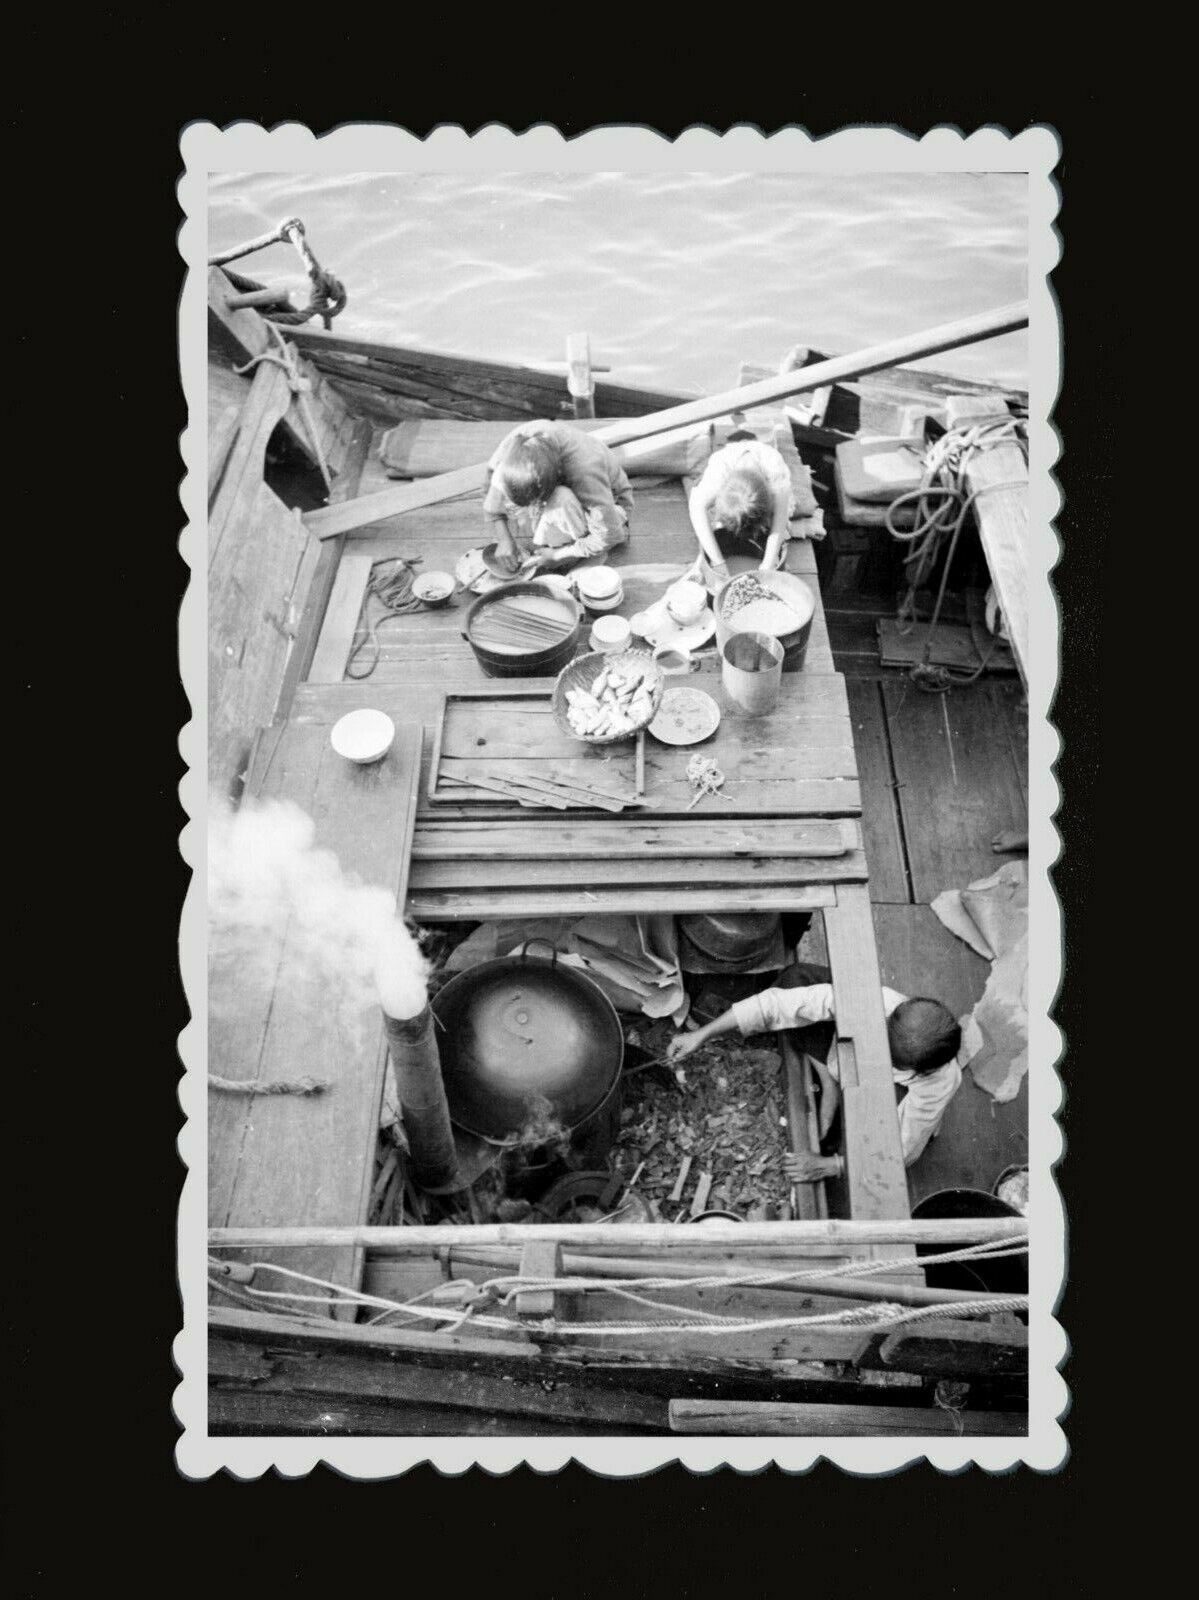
(416, 1065)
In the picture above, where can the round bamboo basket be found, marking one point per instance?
(582, 673)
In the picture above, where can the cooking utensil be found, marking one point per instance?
(520, 1032)
(434, 588)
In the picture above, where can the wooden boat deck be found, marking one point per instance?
(941, 776)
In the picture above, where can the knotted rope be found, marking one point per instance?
(941, 507)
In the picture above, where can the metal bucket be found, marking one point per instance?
(751, 672)
(1004, 1275)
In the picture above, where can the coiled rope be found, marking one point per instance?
(941, 508)
(390, 588)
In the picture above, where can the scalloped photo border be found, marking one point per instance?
(246, 147)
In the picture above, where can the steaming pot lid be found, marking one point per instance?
(523, 1040)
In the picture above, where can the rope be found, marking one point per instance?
(942, 506)
(392, 590)
(680, 1319)
(304, 1085)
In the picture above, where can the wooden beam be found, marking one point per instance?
(739, 1236)
(948, 336)
(771, 1418)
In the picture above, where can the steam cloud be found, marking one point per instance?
(270, 887)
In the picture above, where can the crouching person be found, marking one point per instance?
(923, 1035)
(555, 496)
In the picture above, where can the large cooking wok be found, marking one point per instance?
(517, 1032)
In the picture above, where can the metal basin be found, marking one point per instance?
(519, 1032)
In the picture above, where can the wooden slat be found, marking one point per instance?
(587, 841)
(491, 904)
(341, 618)
(283, 1158)
(771, 1418)
(514, 871)
(881, 826)
(874, 1159)
(391, 502)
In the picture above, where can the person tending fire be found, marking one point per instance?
(922, 1033)
(555, 495)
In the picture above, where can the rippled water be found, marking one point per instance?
(678, 277)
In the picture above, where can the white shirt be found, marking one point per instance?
(755, 455)
(928, 1093)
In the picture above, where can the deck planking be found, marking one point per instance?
(280, 1159)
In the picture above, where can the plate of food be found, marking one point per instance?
(686, 716)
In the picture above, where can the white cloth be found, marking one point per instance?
(747, 455)
(991, 916)
(928, 1093)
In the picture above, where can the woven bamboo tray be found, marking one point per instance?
(582, 673)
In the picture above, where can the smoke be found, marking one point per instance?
(271, 890)
(541, 1129)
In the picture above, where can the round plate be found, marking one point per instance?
(685, 717)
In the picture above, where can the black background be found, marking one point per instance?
(90, 1481)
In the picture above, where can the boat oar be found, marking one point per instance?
(366, 509)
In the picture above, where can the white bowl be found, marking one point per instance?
(434, 588)
(597, 583)
(610, 633)
(363, 736)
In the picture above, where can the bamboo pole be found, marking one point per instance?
(888, 1290)
(366, 509)
(738, 1236)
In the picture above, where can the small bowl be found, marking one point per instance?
(363, 736)
(610, 633)
(433, 588)
(597, 607)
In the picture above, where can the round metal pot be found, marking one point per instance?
(525, 1041)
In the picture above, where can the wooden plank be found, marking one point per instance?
(774, 1418)
(969, 330)
(283, 1158)
(599, 841)
(958, 1349)
(881, 828)
(227, 393)
(348, 1376)
(958, 783)
(318, 573)
(874, 1159)
(251, 587)
(341, 618)
(482, 905)
(423, 448)
(802, 1131)
(514, 871)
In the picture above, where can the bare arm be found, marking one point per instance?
(686, 1044)
(698, 511)
(778, 532)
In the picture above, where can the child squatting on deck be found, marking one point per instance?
(924, 1040)
(742, 505)
(555, 496)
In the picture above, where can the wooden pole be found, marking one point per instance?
(366, 509)
(768, 1417)
(578, 374)
(738, 1236)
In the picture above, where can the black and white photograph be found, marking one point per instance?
(620, 947)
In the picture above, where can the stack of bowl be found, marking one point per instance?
(599, 588)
